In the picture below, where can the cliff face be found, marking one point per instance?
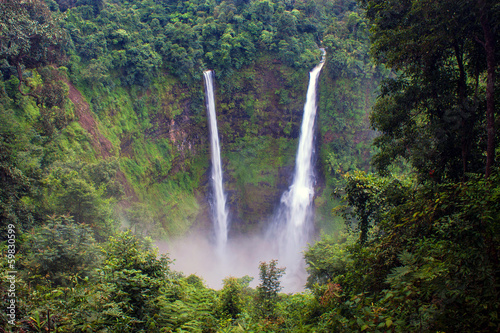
(126, 97)
(260, 112)
(160, 138)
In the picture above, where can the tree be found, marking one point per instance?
(133, 267)
(231, 298)
(270, 286)
(143, 63)
(19, 172)
(84, 191)
(368, 199)
(326, 259)
(60, 252)
(432, 266)
(30, 35)
(439, 61)
(67, 4)
(487, 11)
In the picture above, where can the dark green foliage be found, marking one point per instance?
(234, 299)
(428, 257)
(30, 36)
(368, 200)
(346, 93)
(432, 263)
(132, 268)
(436, 92)
(185, 38)
(231, 300)
(143, 63)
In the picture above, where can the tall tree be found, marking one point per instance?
(435, 47)
(487, 11)
(270, 286)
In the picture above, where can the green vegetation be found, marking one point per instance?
(128, 78)
(104, 145)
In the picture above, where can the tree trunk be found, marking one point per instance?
(20, 76)
(489, 47)
(465, 111)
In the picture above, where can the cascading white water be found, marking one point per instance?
(220, 214)
(289, 231)
(295, 216)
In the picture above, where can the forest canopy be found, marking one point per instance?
(103, 144)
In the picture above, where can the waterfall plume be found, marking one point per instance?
(293, 222)
(219, 210)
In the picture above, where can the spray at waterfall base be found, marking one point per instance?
(287, 235)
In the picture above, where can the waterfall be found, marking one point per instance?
(295, 213)
(220, 214)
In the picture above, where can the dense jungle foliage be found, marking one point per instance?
(104, 144)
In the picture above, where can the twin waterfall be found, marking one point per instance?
(291, 226)
(219, 198)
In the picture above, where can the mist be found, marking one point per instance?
(197, 254)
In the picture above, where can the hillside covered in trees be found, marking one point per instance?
(104, 149)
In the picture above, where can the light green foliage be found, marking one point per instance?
(85, 191)
(132, 266)
(19, 167)
(150, 131)
(255, 165)
(178, 207)
(258, 171)
(187, 305)
(268, 289)
(60, 252)
(122, 292)
(294, 311)
(327, 258)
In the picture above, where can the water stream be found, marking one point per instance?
(219, 210)
(291, 226)
(294, 221)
